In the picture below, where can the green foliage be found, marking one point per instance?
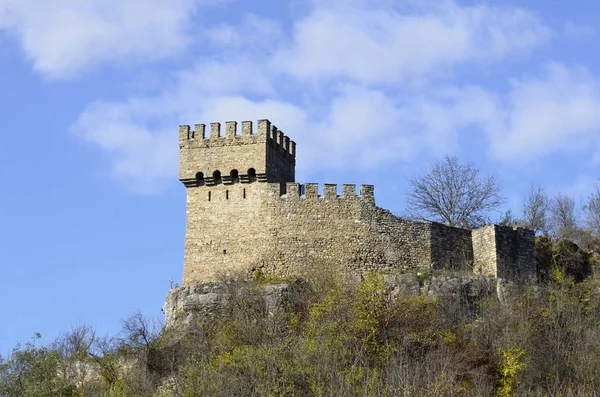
(33, 371)
(513, 362)
(562, 258)
(338, 339)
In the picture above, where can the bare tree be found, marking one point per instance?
(453, 193)
(508, 220)
(535, 210)
(74, 348)
(592, 212)
(563, 218)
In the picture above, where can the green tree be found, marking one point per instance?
(33, 371)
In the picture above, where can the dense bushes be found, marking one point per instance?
(335, 340)
(562, 255)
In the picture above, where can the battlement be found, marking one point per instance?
(292, 190)
(247, 135)
(210, 156)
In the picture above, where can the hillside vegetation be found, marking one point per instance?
(336, 340)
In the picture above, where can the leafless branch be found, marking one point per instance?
(535, 210)
(453, 193)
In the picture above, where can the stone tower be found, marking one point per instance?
(225, 178)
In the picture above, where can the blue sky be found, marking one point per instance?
(92, 93)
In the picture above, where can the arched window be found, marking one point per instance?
(235, 177)
(252, 175)
(217, 177)
(200, 179)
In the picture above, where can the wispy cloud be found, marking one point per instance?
(556, 110)
(353, 49)
(379, 43)
(367, 57)
(64, 38)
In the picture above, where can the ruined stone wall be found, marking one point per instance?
(408, 243)
(504, 252)
(515, 251)
(451, 247)
(484, 250)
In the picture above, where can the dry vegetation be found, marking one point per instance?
(333, 340)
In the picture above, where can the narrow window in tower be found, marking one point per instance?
(251, 175)
(244, 193)
(200, 179)
(209, 195)
(226, 194)
(235, 177)
(217, 177)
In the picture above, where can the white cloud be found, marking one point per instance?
(373, 128)
(353, 120)
(555, 111)
(64, 37)
(143, 155)
(372, 44)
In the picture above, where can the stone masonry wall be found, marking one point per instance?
(515, 251)
(226, 232)
(451, 247)
(408, 243)
(309, 232)
(484, 251)
(267, 150)
(504, 252)
(275, 228)
(343, 231)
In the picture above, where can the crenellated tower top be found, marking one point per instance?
(264, 155)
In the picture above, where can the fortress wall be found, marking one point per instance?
(407, 244)
(288, 229)
(515, 252)
(451, 247)
(504, 252)
(485, 261)
(311, 231)
(339, 230)
(237, 222)
(226, 233)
